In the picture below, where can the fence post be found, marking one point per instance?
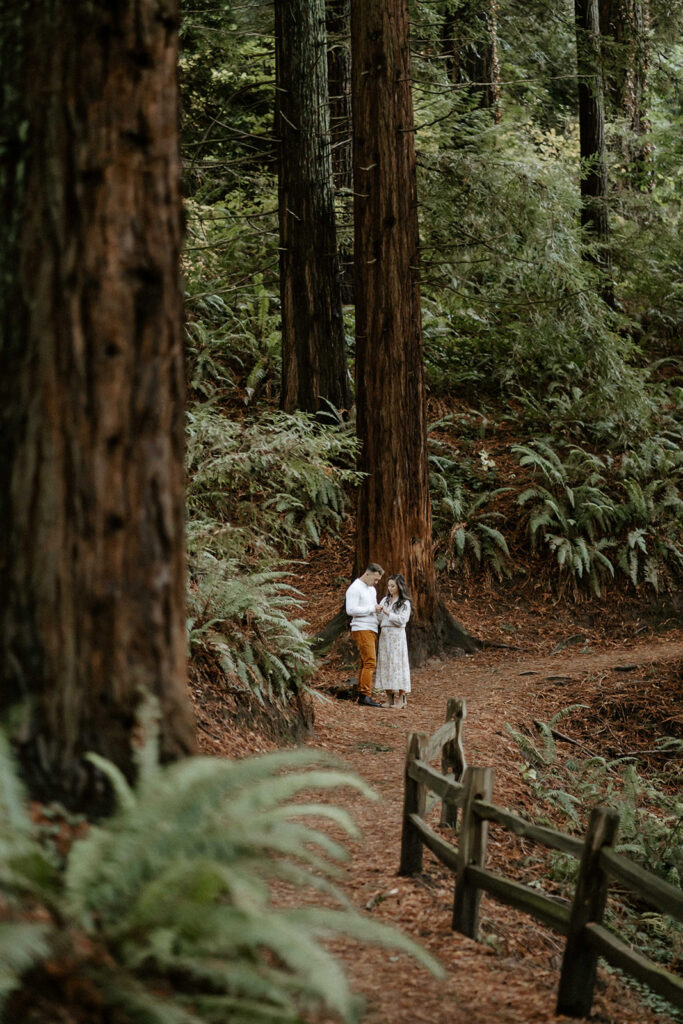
(414, 802)
(579, 964)
(453, 757)
(478, 785)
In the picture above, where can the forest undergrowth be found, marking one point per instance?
(626, 705)
(555, 416)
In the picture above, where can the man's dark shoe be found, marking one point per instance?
(368, 702)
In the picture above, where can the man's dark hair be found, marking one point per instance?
(374, 567)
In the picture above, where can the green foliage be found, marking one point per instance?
(629, 505)
(545, 755)
(233, 331)
(258, 490)
(572, 519)
(25, 876)
(650, 822)
(512, 306)
(466, 532)
(169, 901)
(228, 82)
(247, 622)
(277, 480)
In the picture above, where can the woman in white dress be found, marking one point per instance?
(393, 670)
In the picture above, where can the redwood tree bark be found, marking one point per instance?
(313, 343)
(394, 519)
(92, 608)
(594, 184)
(338, 21)
(625, 51)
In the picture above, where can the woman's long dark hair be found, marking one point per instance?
(403, 592)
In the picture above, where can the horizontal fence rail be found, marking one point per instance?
(469, 791)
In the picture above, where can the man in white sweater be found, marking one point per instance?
(361, 605)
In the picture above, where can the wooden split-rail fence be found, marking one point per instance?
(469, 790)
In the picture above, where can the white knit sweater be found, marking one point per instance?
(361, 602)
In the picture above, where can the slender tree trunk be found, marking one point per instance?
(625, 47)
(92, 608)
(313, 345)
(594, 184)
(470, 41)
(394, 522)
(339, 76)
(338, 20)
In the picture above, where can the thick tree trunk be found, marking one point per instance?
(625, 51)
(594, 184)
(394, 521)
(92, 608)
(313, 345)
(470, 41)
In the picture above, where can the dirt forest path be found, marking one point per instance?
(511, 976)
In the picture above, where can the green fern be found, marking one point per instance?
(172, 894)
(258, 491)
(466, 536)
(581, 511)
(248, 623)
(275, 483)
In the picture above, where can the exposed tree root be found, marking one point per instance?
(442, 634)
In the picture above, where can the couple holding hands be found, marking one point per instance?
(390, 616)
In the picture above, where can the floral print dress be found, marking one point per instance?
(393, 670)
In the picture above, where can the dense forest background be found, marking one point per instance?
(433, 279)
(552, 350)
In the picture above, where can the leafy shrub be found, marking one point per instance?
(511, 305)
(650, 480)
(546, 754)
(258, 490)
(650, 822)
(465, 530)
(572, 520)
(273, 483)
(164, 911)
(248, 623)
(629, 505)
(233, 329)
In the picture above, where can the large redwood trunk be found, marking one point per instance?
(394, 520)
(314, 369)
(92, 609)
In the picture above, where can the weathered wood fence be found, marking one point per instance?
(470, 790)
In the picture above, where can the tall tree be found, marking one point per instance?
(394, 520)
(313, 344)
(594, 182)
(338, 17)
(470, 41)
(92, 606)
(625, 51)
